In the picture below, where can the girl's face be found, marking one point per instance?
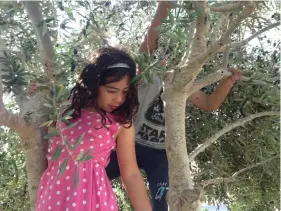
(113, 95)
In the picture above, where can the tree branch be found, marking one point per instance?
(189, 38)
(185, 75)
(254, 165)
(245, 41)
(218, 26)
(47, 51)
(234, 176)
(209, 79)
(229, 127)
(226, 53)
(218, 181)
(7, 118)
(199, 42)
(226, 8)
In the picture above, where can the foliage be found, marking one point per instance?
(78, 28)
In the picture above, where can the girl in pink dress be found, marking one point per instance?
(103, 102)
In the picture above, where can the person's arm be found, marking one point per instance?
(150, 40)
(213, 101)
(130, 174)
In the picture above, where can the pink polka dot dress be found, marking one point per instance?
(93, 192)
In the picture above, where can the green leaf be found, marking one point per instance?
(57, 153)
(52, 134)
(63, 166)
(45, 29)
(78, 141)
(76, 178)
(69, 113)
(87, 156)
(67, 143)
(80, 155)
(48, 105)
(72, 125)
(136, 79)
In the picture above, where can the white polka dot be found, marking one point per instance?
(76, 162)
(105, 193)
(68, 188)
(67, 177)
(98, 120)
(53, 168)
(58, 192)
(67, 167)
(43, 201)
(117, 124)
(72, 140)
(57, 142)
(108, 141)
(107, 133)
(89, 123)
(82, 142)
(84, 169)
(97, 205)
(112, 207)
(101, 144)
(98, 193)
(48, 173)
(74, 204)
(100, 188)
(84, 190)
(67, 209)
(91, 139)
(50, 197)
(75, 193)
(88, 117)
(89, 131)
(91, 147)
(105, 203)
(102, 179)
(100, 136)
(58, 182)
(63, 150)
(71, 132)
(84, 180)
(41, 187)
(49, 208)
(79, 127)
(67, 199)
(97, 165)
(97, 173)
(41, 197)
(58, 203)
(51, 187)
(82, 150)
(102, 158)
(84, 202)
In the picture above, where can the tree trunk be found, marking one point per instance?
(35, 165)
(182, 196)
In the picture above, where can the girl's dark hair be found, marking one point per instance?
(96, 74)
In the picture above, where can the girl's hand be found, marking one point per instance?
(236, 74)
